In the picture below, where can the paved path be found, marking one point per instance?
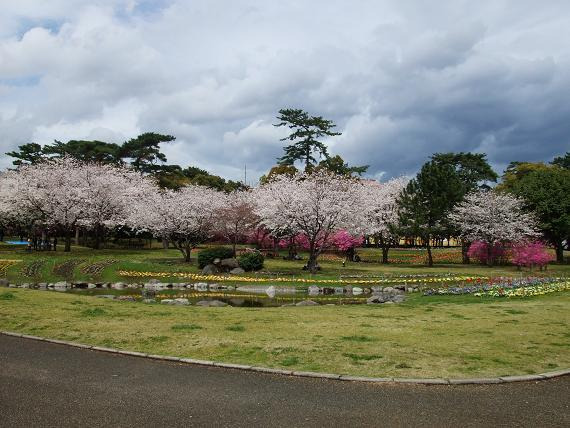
(43, 384)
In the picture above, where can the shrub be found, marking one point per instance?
(478, 251)
(207, 256)
(251, 261)
(531, 254)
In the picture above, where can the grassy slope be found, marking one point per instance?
(424, 337)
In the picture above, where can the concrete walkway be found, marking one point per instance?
(43, 384)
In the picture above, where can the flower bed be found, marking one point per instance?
(218, 278)
(535, 290)
(5, 264)
(502, 286)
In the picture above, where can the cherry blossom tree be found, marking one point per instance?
(492, 217)
(185, 217)
(316, 205)
(236, 217)
(382, 211)
(110, 193)
(62, 194)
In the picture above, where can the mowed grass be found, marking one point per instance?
(424, 337)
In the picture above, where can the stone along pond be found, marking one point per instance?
(213, 294)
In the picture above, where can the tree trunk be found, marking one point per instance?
(464, 250)
(165, 244)
(97, 243)
(312, 262)
(187, 253)
(489, 255)
(385, 255)
(430, 258)
(77, 236)
(559, 252)
(67, 248)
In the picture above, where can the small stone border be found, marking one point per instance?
(436, 381)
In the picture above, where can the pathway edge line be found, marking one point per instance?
(418, 381)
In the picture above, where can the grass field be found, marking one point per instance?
(424, 337)
(427, 336)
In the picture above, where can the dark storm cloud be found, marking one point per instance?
(401, 79)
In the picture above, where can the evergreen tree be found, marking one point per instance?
(307, 130)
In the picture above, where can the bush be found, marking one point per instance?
(207, 256)
(251, 261)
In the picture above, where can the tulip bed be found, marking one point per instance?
(234, 278)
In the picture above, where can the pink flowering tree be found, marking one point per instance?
(530, 254)
(186, 217)
(493, 218)
(480, 251)
(235, 217)
(380, 202)
(315, 205)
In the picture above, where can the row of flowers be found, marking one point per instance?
(219, 278)
(530, 291)
(493, 285)
(5, 264)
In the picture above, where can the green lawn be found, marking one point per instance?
(424, 337)
(437, 336)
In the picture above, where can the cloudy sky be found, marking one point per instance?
(402, 79)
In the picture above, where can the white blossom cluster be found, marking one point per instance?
(493, 217)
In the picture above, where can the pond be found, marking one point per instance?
(240, 296)
(17, 242)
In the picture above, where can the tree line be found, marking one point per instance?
(422, 207)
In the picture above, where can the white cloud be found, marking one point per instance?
(401, 79)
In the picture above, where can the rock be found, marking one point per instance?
(149, 301)
(314, 290)
(132, 285)
(90, 286)
(126, 298)
(201, 286)
(42, 285)
(211, 303)
(217, 261)
(166, 301)
(379, 298)
(388, 290)
(230, 263)
(181, 301)
(61, 284)
(106, 296)
(356, 290)
(376, 289)
(25, 285)
(4, 282)
(270, 291)
(118, 286)
(210, 270)
(237, 271)
(307, 303)
(287, 304)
